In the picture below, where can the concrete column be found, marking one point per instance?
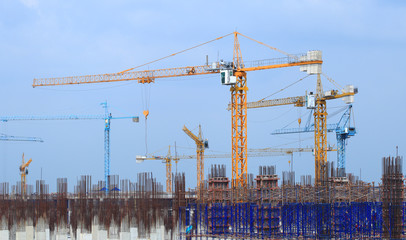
(52, 235)
(102, 234)
(4, 234)
(12, 232)
(62, 230)
(62, 233)
(41, 235)
(125, 235)
(85, 236)
(29, 232)
(95, 228)
(60, 236)
(21, 234)
(40, 230)
(134, 233)
(153, 234)
(162, 232)
(78, 232)
(47, 234)
(114, 230)
(125, 229)
(71, 233)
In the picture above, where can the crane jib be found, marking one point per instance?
(148, 76)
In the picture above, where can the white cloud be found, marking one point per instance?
(30, 3)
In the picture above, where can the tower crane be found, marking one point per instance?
(343, 132)
(24, 173)
(263, 152)
(107, 117)
(24, 165)
(318, 103)
(232, 73)
(201, 144)
(4, 137)
(168, 163)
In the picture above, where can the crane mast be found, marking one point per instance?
(320, 134)
(107, 120)
(168, 164)
(239, 122)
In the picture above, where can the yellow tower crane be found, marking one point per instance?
(201, 144)
(318, 103)
(232, 73)
(24, 173)
(168, 163)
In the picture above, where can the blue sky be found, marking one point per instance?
(363, 43)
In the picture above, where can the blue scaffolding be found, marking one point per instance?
(341, 220)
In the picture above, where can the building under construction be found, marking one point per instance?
(269, 208)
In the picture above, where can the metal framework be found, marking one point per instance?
(107, 120)
(168, 164)
(239, 131)
(239, 121)
(320, 134)
(320, 139)
(297, 101)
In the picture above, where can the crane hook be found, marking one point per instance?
(146, 113)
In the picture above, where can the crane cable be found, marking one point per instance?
(173, 54)
(299, 120)
(353, 116)
(273, 48)
(283, 88)
(333, 82)
(146, 95)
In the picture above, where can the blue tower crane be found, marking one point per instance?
(107, 117)
(343, 132)
(4, 137)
